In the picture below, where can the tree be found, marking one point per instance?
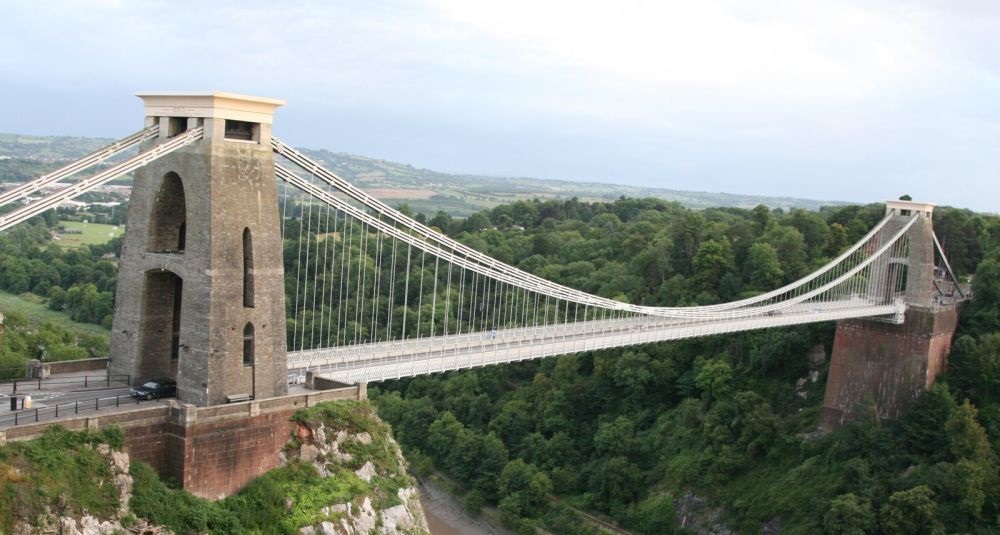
(526, 486)
(492, 460)
(714, 378)
(763, 267)
(442, 221)
(685, 236)
(814, 230)
(713, 260)
(615, 438)
(443, 434)
(966, 438)
(513, 423)
(462, 459)
(967, 481)
(791, 248)
(921, 425)
(477, 222)
(614, 483)
(761, 217)
(849, 515)
(656, 514)
(984, 310)
(910, 512)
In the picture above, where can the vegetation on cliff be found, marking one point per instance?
(62, 473)
(66, 474)
(290, 497)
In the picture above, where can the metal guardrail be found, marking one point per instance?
(86, 380)
(52, 412)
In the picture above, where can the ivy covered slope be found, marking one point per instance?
(717, 432)
(342, 474)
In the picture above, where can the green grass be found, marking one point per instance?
(91, 234)
(59, 473)
(35, 310)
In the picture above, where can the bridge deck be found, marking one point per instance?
(391, 360)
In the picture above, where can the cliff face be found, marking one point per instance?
(341, 473)
(354, 442)
(100, 464)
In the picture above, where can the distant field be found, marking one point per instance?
(90, 234)
(31, 306)
(396, 193)
(423, 190)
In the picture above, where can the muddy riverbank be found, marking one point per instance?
(446, 516)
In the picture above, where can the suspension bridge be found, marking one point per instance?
(318, 275)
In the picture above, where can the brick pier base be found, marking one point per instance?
(212, 451)
(890, 364)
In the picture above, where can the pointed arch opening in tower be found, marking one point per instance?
(248, 293)
(168, 219)
(248, 343)
(160, 337)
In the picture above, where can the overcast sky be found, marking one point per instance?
(858, 100)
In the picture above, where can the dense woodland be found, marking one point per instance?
(632, 434)
(78, 282)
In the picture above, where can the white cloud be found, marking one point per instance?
(802, 52)
(704, 93)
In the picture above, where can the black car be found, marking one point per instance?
(157, 388)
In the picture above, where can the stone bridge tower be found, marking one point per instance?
(201, 281)
(885, 363)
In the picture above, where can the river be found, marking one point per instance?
(446, 516)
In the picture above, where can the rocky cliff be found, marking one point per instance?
(341, 473)
(348, 438)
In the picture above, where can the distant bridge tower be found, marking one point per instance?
(201, 281)
(889, 364)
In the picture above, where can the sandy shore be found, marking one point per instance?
(446, 516)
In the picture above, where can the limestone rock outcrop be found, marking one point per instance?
(329, 451)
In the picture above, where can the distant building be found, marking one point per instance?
(75, 205)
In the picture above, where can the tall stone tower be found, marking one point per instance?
(201, 280)
(889, 364)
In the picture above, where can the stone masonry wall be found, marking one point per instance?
(221, 456)
(891, 364)
(213, 451)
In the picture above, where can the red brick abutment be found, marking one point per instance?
(886, 364)
(212, 451)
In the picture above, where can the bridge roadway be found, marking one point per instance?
(392, 360)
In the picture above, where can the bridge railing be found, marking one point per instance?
(381, 367)
(481, 340)
(86, 381)
(60, 410)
